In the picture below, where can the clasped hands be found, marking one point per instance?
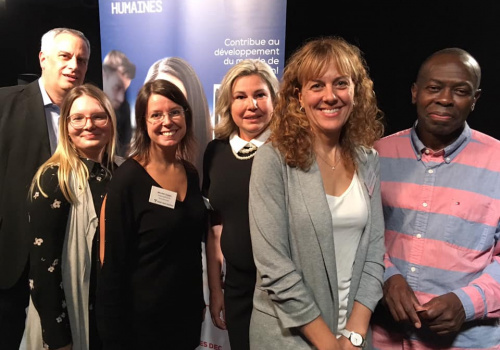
(443, 314)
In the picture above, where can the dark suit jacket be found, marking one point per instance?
(24, 146)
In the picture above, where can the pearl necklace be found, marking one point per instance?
(246, 152)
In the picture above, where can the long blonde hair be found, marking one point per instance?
(66, 157)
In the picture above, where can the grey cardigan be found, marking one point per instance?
(292, 240)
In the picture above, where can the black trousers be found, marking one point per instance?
(239, 287)
(13, 304)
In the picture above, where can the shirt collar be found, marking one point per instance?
(45, 97)
(450, 151)
(238, 143)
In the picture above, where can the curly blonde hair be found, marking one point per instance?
(290, 128)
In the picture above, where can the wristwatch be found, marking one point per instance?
(355, 338)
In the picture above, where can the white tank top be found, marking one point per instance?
(349, 217)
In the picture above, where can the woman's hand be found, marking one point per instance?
(345, 344)
(320, 336)
(217, 310)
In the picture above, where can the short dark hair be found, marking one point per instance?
(140, 145)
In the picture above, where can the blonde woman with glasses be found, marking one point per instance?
(65, 199)
(150, 292)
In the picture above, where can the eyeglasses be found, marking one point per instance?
(78, 121)
(174, 114)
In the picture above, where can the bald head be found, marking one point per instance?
(454, 53)
(446, 91)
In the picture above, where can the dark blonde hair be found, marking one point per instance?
(140, 145)
(66, 156)
(290, 128)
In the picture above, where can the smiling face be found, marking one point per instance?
(327, 102)
(64, 65)
(251, 106)
(444, 93)
(91, 140)
(170, 131)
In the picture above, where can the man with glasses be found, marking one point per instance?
(28, 136)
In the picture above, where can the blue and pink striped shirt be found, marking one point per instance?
(442, 217)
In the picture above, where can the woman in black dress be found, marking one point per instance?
(244, 105)
(65, 201)
(150, 292)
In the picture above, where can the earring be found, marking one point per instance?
(472, 107)
(301, 109)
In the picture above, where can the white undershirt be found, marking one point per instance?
(349, 217)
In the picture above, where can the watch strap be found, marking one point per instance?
(347, 333)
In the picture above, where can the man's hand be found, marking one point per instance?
(444, 314)
(401, 301)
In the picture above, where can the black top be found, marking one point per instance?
(48, 222)
(225, 184)
(152, 271)
(123, 128)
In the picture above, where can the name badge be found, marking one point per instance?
(162, 197)
(370, 181)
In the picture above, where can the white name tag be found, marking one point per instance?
(162, 197)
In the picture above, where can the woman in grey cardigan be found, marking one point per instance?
(316, 218)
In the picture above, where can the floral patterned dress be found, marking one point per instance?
(49, 217)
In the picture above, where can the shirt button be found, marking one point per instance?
(424, 204)
(430, 171)
(419, 235)
(427, 151)
(447, 159)
(413, 269)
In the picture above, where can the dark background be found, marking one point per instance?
(395, 36)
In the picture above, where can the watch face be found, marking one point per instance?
(356, 339)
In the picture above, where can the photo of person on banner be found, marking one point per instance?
(117, 74)
(244, 106)
(182, 74)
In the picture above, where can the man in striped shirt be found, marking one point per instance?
(441, 197)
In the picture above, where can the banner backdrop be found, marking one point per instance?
(206, 36)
